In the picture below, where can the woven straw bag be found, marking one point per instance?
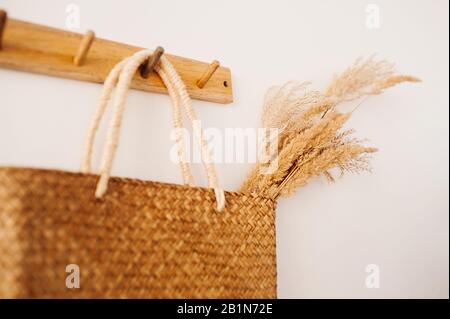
(132, 238)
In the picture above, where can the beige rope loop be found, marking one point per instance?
(121, 76)
(108, 87)
(198, 133)
(178, 125)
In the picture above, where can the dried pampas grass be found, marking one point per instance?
(311, 139)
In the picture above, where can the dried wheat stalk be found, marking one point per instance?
(311, 140)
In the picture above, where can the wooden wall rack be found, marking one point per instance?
(40, 49)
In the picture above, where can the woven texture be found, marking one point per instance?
(141, 240)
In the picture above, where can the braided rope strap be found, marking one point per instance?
(120, 77)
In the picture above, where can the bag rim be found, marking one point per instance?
(128, 180)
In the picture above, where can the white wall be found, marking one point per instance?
(396, 218)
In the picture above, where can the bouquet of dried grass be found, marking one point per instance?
(311, 139)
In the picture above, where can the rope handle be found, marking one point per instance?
(121, 76)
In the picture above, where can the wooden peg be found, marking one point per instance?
(208, 74)
(84, 47)
(3, 17)
(149, 65)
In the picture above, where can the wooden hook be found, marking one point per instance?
(84, 47)
(148, 66)
(3, 17)
(208, 74)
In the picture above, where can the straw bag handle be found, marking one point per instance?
(121, 75)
